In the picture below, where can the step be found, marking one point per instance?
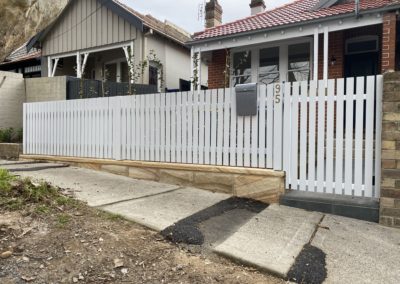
(354, 207)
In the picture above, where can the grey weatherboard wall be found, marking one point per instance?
(87, 24)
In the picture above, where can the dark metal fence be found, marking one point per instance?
(83, 88)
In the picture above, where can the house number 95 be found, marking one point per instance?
(277, 93)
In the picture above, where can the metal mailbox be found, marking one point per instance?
(246, 99)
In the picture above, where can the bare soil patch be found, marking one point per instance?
(60, 240)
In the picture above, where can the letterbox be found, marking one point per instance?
(246, 99)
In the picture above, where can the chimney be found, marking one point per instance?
(213, 14)
(257, 6)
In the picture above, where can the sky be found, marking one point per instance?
(184, 13)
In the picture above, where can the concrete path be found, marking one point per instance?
(273, 239)
(358, 251)
(304, 247)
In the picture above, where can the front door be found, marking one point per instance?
(363, 64)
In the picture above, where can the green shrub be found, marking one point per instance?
(6, 135)
(11, 135)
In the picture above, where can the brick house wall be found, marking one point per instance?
(337, 40)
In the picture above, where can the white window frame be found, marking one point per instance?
(283, 57)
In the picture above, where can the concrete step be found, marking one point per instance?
(366, 209)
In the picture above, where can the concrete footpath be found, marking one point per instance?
(302, 246)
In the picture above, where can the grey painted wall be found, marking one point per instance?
(12, 97)
(87, 24)
(46, 89)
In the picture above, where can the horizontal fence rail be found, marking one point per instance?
(326, 139)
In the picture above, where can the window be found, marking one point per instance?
(241, 68)
(269, 65)
(299, 62)
(124, 72)
(153, 76)
(362, 44)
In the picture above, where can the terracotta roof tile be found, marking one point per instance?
(295, 12)
(165, 28)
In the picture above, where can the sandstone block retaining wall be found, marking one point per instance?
(259, 184)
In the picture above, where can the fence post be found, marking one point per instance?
(390, 183)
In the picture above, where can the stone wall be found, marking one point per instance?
(259, 184)
(10, 151)
(46, 89)
(12, 97)
(390, 183)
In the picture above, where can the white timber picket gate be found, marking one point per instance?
(324, 135)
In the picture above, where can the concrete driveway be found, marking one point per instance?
(302, 246)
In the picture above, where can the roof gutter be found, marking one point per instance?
(316, 21)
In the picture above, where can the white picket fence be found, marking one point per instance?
(203, 128)
(332, 136)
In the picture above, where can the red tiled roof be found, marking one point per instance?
(295, 12)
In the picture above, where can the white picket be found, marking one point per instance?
(240, 132)
(311, 136)
(247, 141)
(213, 143)
(178, 112)
(348, 167)
(198, 126)
(321, 137)
(147, 128)
(163, 127)
(261, 127)
(142, 127)
(303, 135)
(287, 132)
(207, 125)
(184, 120)
(270, 125)
(330, 118)
(168, 128)
(278, 106)
(369, 136)
(226, 126)
(220, 127)
(358, 141)
(294, 151)
(152, 127)
(190, 148)
(339, 137)
(254, 137)
(233, 157)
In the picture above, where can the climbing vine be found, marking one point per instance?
(137, 71)
(227, 70)
(195, 77)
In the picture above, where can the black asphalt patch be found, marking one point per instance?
(188, 231)
(34, 169)
(310, 266)
(22, 163)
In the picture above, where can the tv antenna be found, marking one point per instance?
(201, 12)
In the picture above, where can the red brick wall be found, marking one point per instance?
(336, 49)
(389, 42)
(216, 69)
